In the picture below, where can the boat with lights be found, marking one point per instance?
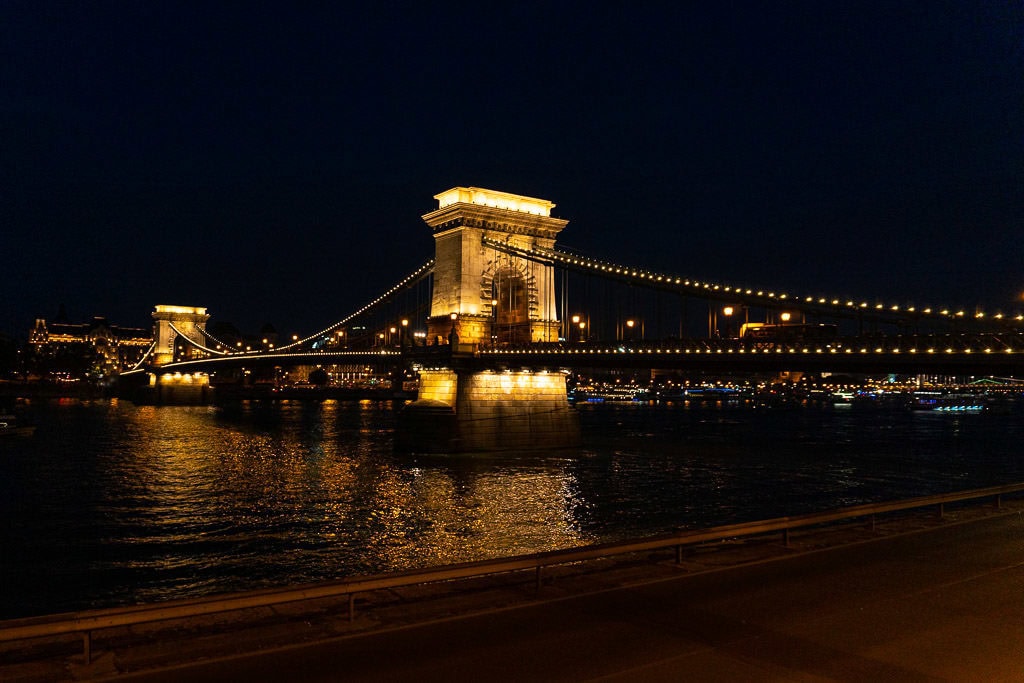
(948, 403)
(9, 427)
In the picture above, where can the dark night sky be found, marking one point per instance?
(272, 161)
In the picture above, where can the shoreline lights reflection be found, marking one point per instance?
(115, 504)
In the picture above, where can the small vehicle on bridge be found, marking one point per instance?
(767, 336)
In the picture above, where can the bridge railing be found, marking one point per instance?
(85, 623)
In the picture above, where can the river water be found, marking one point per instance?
(111, 503)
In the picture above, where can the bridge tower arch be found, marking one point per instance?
(483, 296)
(480, 293)
(169, 322)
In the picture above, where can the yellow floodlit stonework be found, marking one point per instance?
(489, 411)
(169, 322)
(496, 299)
(187, 310)
(439, 385)
(495, 200)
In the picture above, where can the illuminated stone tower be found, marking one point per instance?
(187, 320)
(483, 294)
(486, 296)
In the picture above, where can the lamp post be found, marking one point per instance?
(727, 312)
(494, 322)
(402, 335)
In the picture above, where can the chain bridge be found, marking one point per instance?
(495, 318)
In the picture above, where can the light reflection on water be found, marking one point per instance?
(111, 503)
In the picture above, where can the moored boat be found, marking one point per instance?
(9, 427)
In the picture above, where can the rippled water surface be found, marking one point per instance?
(110, 503)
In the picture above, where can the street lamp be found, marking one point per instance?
(727, 312)
(785, 316)
(494, 322)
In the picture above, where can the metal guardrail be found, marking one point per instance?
(85, 623)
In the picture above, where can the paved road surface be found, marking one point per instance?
(943, 605)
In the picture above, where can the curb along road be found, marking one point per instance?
(157, 646)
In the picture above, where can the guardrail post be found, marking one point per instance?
(942, 510)
(679, 554)
(351, 607)
(872, 522)
(87, 647)
(999, 501)
(785, 537)
(538, 577)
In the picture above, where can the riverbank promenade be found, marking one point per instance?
(919, 601)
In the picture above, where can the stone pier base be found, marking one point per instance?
(173, 389)
(461, 411)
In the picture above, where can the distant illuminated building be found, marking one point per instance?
(96, 349)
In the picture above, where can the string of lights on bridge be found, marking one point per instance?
(138, 366)
(196, 344)
(291, 357)
(768, 297)
(402, 284)
(214, 339)
(567, 355)
(623, 350)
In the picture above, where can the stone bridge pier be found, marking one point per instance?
(175, 330)
(484, 297)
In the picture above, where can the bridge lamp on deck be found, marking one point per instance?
(785, 316)
(727, 312)
(453, 334)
